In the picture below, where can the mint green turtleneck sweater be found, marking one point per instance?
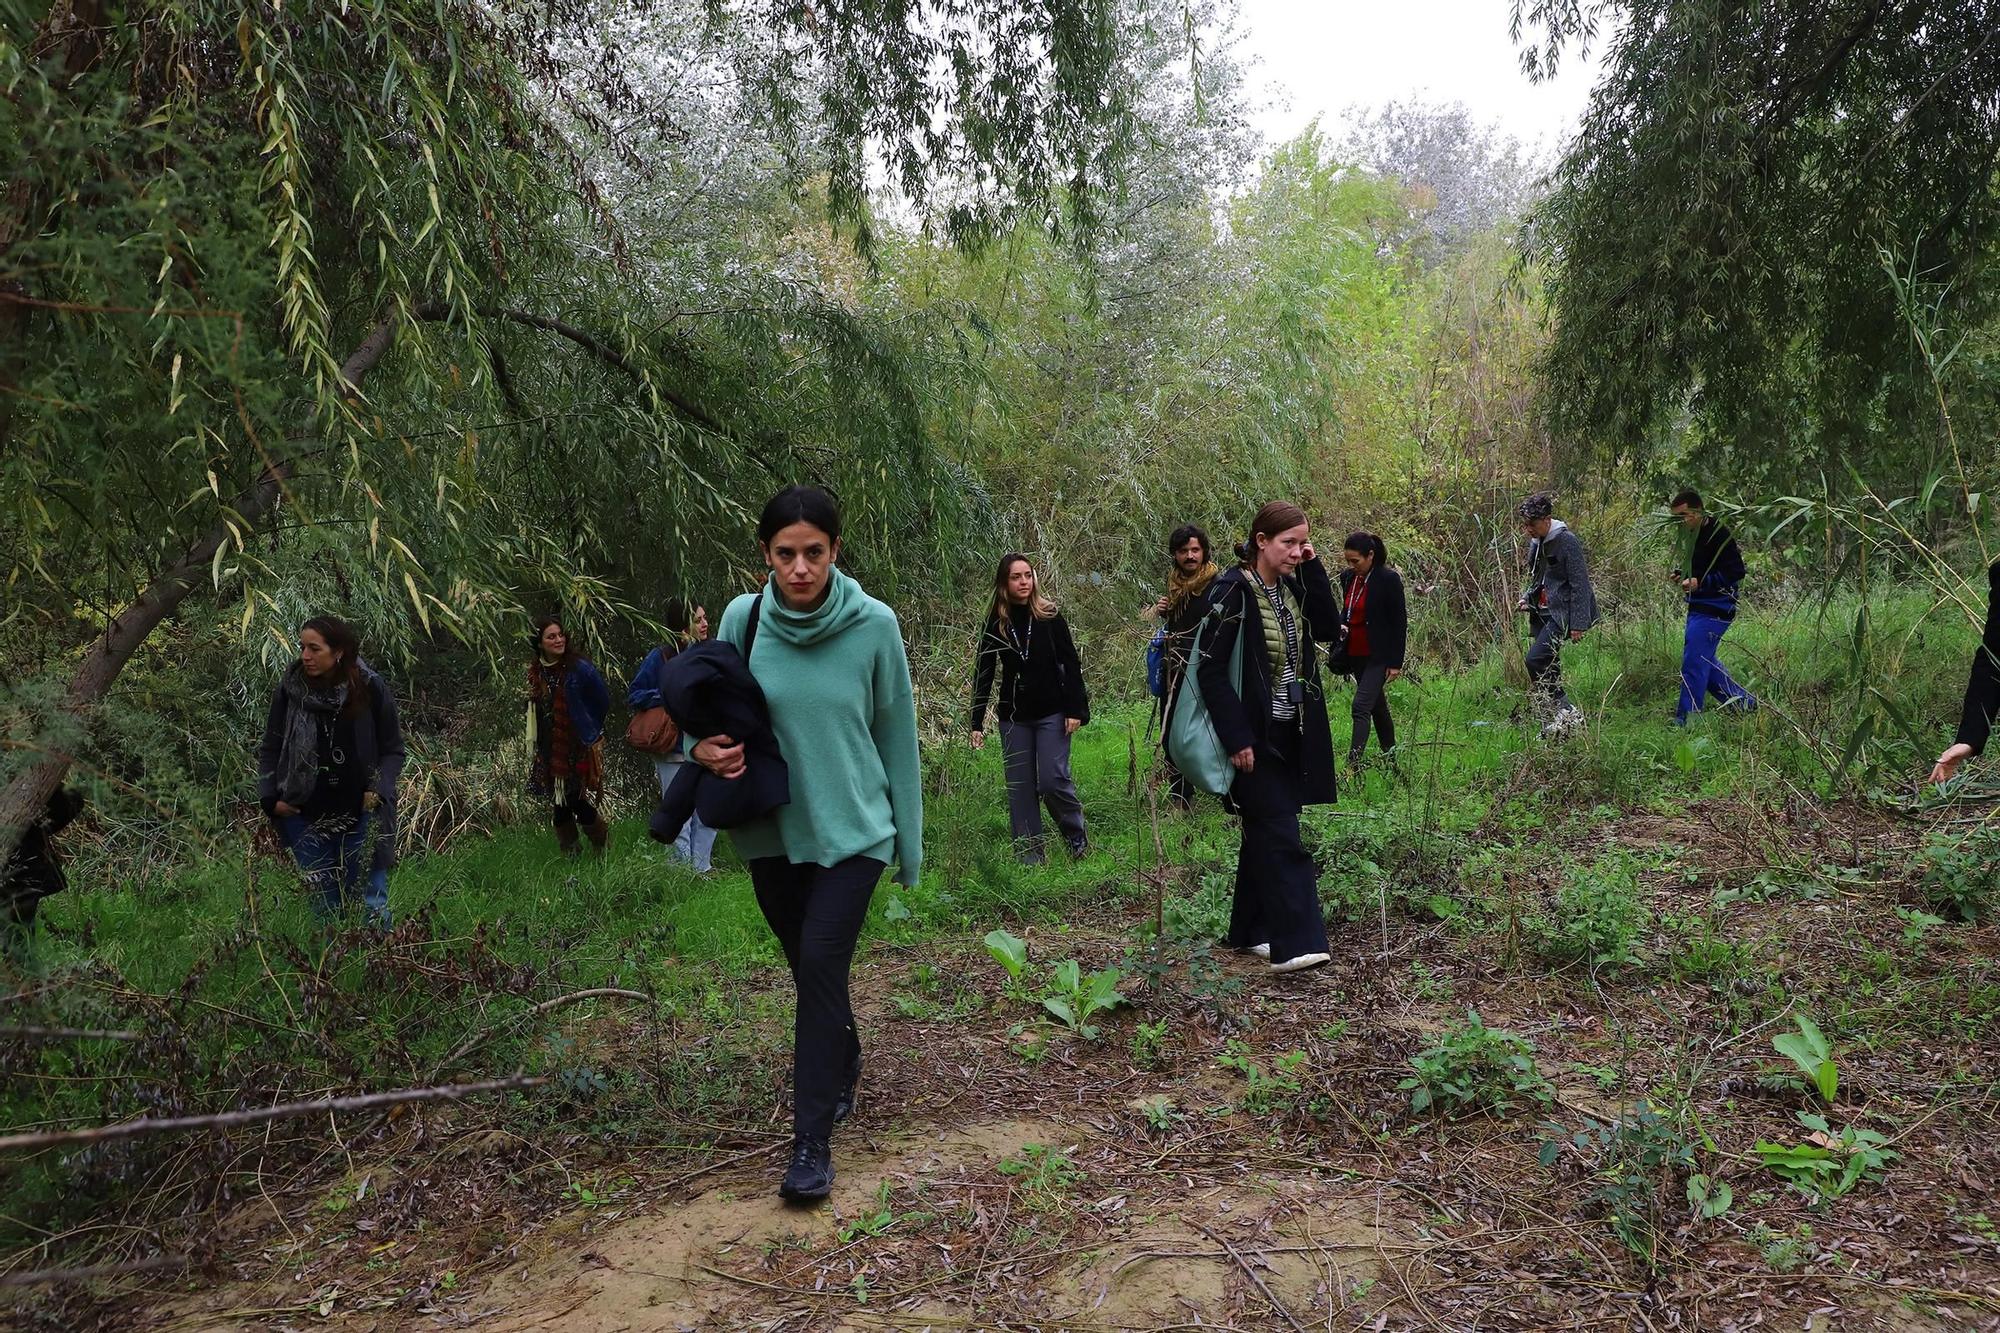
(838, 685)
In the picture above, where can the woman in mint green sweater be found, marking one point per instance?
(831, 664)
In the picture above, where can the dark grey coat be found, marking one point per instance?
(1560, 574)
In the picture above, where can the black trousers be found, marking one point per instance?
(1544, 662)
(1277, 884)
(816, 912)
(1371, 704)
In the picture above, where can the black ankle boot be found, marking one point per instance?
(843, 1105)
(810, 1176)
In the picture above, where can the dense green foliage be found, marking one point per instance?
(1718, 232)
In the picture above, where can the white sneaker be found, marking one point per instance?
(1261, 950)
(1302, 962)
(1567, 719)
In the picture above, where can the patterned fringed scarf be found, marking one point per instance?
(561, 767)
(1180, 588)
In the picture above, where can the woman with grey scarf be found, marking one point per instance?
(331, 754)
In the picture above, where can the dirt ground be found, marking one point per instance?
(998, 1176)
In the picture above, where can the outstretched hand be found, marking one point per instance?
(1946, 767)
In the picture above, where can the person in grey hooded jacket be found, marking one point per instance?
(1559, 604)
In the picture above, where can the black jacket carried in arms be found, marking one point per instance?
(1039, 673)
(1982, 692)
(708, 691)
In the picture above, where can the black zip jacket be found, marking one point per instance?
(1039, 673)
(1718, 563)
(1245, 722)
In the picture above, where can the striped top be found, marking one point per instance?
(1282, 706)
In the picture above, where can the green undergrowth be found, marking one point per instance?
(1535, 849)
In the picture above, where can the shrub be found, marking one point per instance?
(1962, 875)
(1471, 1067)
(1597, 917)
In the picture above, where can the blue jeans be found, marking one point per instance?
(1701, 674)
(696, 844)
(334, 856)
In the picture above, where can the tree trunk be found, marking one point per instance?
(22, 801)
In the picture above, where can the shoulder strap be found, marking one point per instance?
(750, 631)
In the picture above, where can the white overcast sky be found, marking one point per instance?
(1326, 55)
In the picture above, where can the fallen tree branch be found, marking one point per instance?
(1250, 1273)
(282, 1111)
(36, 1277)
(36, 1032)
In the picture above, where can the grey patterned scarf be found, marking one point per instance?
(299, 757)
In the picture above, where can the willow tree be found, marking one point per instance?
(375, 264)
(1716, 236)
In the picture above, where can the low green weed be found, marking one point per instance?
(1148, 1044)
(1641, 1165)
(1784, 1251)
(1828, 1164)
(1961, 876)
(1597, 916)
(1075, 998)
(1472, 1067)
(1916, 925)
(1808, 1048)
(1266, 1091)
(1042, 1173)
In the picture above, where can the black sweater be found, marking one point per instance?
(1982, 692)
(1039, 674)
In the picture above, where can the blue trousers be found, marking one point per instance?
(1701, 674)
(334, 857)
(695, 846)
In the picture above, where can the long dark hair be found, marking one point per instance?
(1040, 607)
(542, 624)
(1275, 517)
(1365, 543)
(340, 637)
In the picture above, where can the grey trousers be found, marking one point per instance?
(1371, 704)
(1037, 762)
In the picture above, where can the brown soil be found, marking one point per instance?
(1330, 1207)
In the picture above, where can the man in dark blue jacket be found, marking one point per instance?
(1710, 570)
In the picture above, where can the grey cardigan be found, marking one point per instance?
(1560, 571)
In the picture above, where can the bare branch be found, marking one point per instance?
(282, 1111)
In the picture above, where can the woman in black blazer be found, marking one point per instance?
(1278, 603)
(1378, 625)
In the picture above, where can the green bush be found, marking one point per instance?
(1961, 876)
(1597, 916)
(1471, 1067)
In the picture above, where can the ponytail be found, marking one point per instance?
(1275, 517)
(1367, 543)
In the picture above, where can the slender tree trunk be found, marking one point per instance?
(22, 801)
